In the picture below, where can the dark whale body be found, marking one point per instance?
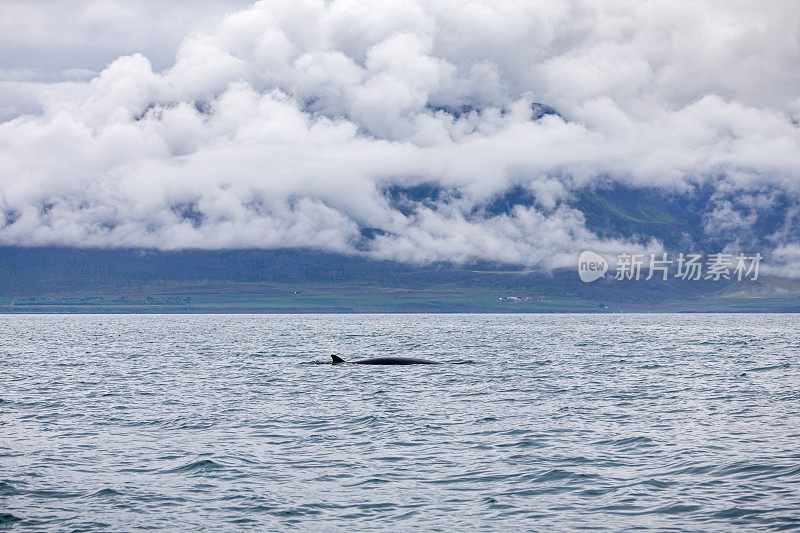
(386, 361)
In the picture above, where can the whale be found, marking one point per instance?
(385, 361)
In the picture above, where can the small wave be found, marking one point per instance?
(8, 518)
(766, 368)
(736, 512)
(365, 421)
(556, 474)
(524, 443)
(295, 512)
(676, 509)
(7, 489)
(105, 493)
(689, 469)
(53, 494)
(471, 480)
(656, 483)
(626, 441)
(748, 470)
(197, 425)
(203, 465)
(593, 493)
(370, 481)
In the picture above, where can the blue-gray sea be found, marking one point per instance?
(538, 422)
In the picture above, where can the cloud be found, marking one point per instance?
(288, 123)
(54, 35)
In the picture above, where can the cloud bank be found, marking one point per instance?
(318, 124)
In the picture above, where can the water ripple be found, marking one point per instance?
(544, 422)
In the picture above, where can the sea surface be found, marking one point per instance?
(537, 422)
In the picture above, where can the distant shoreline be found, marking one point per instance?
(156, 311)
(121, 281)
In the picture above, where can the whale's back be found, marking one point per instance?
(386, 361)
(395, 361)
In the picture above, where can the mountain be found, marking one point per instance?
(126, 280)
(302, 280)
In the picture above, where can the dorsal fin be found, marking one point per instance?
(337, 359)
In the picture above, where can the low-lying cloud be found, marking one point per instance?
(289, 123)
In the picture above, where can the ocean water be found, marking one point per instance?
(539, 422)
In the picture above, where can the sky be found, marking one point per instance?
(226, 124)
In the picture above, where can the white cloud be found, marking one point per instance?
(285, 123)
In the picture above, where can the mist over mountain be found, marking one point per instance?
(514, 133)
